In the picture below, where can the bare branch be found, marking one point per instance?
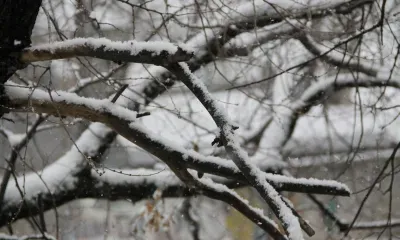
(344, 226)
(337, 58)
(333, 48)
(16, 147)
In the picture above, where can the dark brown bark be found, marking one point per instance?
(17, 18)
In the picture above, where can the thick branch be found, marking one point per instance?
(56, 181)
(80, 182)
(158, 53)
(120, 118)
(79, 111)
(67, 104)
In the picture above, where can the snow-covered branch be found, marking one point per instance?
(71, 178)
(237, 30)
(228, 139)
(120, 119)
(244, 43)
(55, 181)
(17, 142)
(65, 104)
(283, 123)
(64, 181)
(61, 103)
(158, 53)
(241, 18)
(230, 40)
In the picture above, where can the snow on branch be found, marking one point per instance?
(207, 46)
(70, 178)
(327, 86)
(66, 104)
(90, 144)
(171, 186)
(17, 142)
(340, 81)
(237, 154)
(208, 42)
(242, 17)
(278, 181)
(158, 53)
(281, 9)
(224, 168)
(247, 41)
(119, 118)
(57, 181)
(219, 192)
(282, 126)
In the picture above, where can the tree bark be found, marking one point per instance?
(17, 18)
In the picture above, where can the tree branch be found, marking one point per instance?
(62, 103)
(238, 155)
(337, 58)
(69, 104)
(344, 225)
(157, 53)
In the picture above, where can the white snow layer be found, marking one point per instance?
(134, 47)
(18, 92)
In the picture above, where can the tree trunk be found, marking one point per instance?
(17, 18)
